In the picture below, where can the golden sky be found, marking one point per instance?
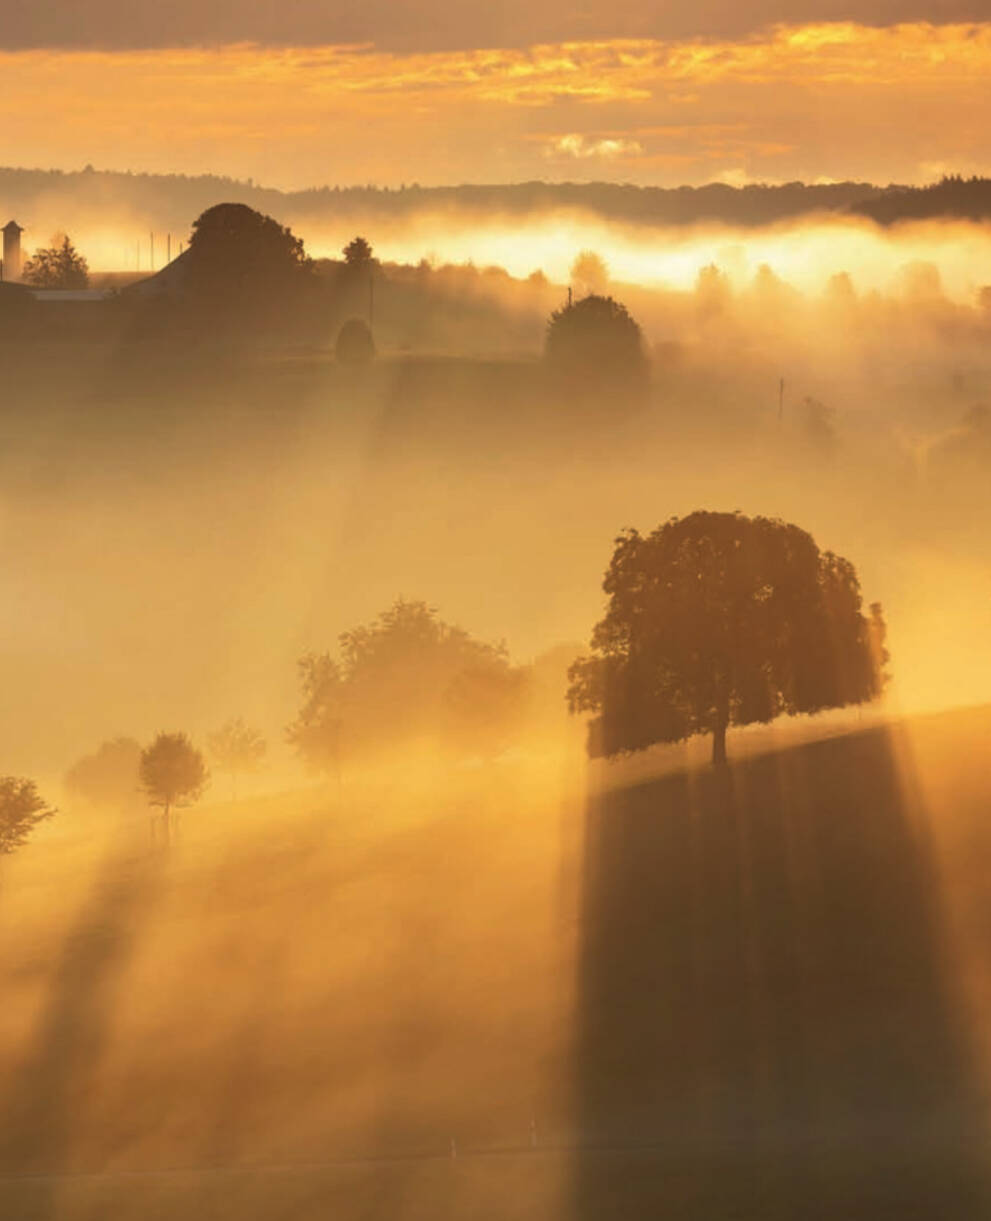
(814, 101)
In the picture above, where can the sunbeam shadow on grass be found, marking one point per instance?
(768, 1026)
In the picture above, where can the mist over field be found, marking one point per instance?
(196, 521)
(423, 956)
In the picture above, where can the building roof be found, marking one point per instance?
(10, 291)
(170, 281)
(72, 294)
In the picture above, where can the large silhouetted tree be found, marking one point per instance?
(717, 619)
(594, 349)
(245, 269)
(109, 776)
(57, 266)
(173, 774)
(22, 808)
(400, 679)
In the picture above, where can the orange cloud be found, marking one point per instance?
(837, 99)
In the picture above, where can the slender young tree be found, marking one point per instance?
(173, 774)
(237, 749)
(717, 619)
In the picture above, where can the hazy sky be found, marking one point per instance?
(348, 91)
(428, 25)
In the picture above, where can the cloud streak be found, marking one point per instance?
(816, 100)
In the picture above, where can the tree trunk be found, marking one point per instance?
(719, 742)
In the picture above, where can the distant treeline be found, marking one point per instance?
(172, 200)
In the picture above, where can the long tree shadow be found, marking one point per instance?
(767, 1026)
(43, 1107)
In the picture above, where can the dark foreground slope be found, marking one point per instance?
(753, 998)
(773, 1020)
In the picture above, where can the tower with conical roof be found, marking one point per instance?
(12, 250)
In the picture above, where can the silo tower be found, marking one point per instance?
(12, 250)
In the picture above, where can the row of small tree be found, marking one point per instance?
(169, 772)
(713, 620)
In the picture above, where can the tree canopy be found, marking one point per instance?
(172, 772)
(109, 776)
(594, 348)
(358, 253)
(22, 808)
(57, 266)
(245, 266)
(717, 619)
(404, 677)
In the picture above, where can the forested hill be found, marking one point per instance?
(173, 201)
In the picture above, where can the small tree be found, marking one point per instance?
(173, 774)
(589, 274)
(718, 619)
(22, 808)
(237, 749)
(57, 266)
(109, 776)
(594, 349)
(358, 253)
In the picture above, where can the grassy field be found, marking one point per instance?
(516, 992)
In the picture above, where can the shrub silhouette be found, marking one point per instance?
(718, 619)
(355, 345)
